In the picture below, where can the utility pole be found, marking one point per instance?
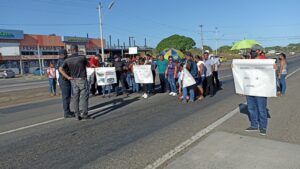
(39, 55)
(145, 43)
(101, 31)
(216, 28)
(118, 43)
(202, 46)
(109, 41)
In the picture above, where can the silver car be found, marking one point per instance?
(7, 73)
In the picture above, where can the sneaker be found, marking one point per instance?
(262, 132)
(171, 93)
(143, 96)
(250, 129)
(146, 96)
(174, 94)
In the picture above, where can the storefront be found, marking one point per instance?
(79, 41)
(10, 48)
(39, 51)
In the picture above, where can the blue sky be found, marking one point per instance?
(272, 22)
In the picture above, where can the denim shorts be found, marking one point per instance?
(200, 80)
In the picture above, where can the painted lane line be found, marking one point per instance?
(55, 120)
(199, 135)
(31, 126)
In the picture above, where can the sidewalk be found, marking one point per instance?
(230, 147)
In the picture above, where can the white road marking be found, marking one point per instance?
(55, 120)
(30, 126)
(197, 136)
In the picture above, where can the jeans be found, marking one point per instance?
(172, 83)
(163, 82)
(80, 96)
(129, 80)
(282, 83)
(191, 91)
(154, 75)
(65, 87)
(104, 89)
(135, 86)
(257, 107)
(52, 85)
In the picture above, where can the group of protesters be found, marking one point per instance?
(74, 82)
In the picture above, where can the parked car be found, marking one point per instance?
(37, 71)
(7, 73)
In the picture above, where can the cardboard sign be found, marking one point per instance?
(106, 76)
(187, 79)
(90, 75)
(142, 74)
(254, 77)
(133, 50)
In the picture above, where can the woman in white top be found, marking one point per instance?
(201, 76)
(282, 73)
(52, 79)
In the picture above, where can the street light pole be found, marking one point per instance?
(101, 30)
(216, 41)
(202, 46)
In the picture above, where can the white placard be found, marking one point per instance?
(133, 50)
(90, 75)
(106, 76)
(254, 77)
(188, 79)
(142, 74)
(57, 76)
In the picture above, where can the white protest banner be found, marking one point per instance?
(90, 75)
(106, 76)
(133, 50)
(142, 74)
(254, 77)
(188, 79)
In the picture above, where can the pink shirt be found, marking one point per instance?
(51, 73)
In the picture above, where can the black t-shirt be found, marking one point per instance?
(119, 66)
(76, 65)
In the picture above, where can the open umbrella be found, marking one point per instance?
(244, 44)
(176, 54)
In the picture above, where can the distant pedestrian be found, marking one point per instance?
(282, 73)
(209, 79)
(162, 64)
(51, 71)
(76, 65)
(65, 85)
(216, 65)
(171, 73)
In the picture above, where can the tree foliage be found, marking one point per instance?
(176, 41)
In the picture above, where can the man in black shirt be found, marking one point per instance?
(76, 65)
(65, 85)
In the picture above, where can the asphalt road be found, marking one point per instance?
(127, 132)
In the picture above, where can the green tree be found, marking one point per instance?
(205, 47)
(225, 49)
(176, 41)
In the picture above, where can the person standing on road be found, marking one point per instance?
(65, 85)
(190, 66)
(94, 63)
(76, 64)
(162, 64)
(171, 73)
(209, 79)
(201, 76)
(51, 71)
(257, 106)
(216, 65)
(282, 73)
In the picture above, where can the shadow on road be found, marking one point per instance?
(114, 105)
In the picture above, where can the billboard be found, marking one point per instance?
(11, 34)
(73, 39)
